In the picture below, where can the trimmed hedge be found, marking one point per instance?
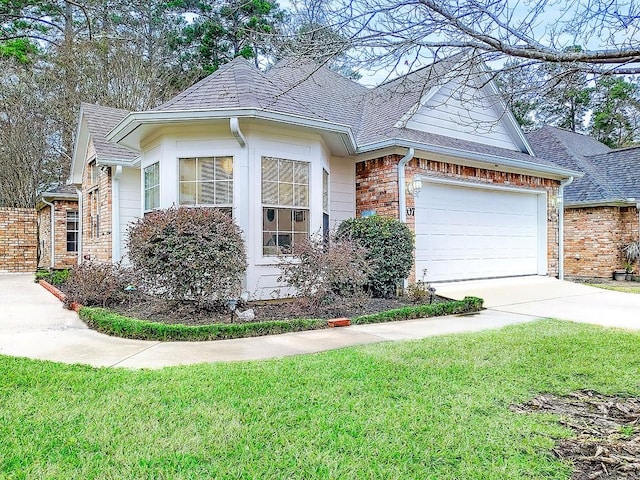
(466, 305)
(118, 325)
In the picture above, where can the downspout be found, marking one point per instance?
(115, 215)
(234, 124)
(563, 183)
(53, 232)
(80, 221)
(402, 202)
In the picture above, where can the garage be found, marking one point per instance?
(468, 232)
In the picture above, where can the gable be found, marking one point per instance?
(461, 110)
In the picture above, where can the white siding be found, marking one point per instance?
(342, 190)
(465, 113)
(129, 203)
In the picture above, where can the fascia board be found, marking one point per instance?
(602, 203)
(134, 120)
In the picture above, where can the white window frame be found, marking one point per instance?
(75, 231)
(230, 181)
(148, 188)
(276, 248)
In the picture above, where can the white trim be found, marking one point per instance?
(134, 120)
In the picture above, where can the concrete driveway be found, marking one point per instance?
(34, 324)
(551, 298)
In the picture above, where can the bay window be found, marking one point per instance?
(285, 204)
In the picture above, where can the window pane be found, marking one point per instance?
(270, 193)
(269, 169)
(325, 191)
(284, 220)
(302, 173)
(286, 171)
(224, 193)
(286, 194)
(187, 169)
(302, 196)
(300, 221)
(205, 169)
(187, 193)
(224, 168)
(205, 193)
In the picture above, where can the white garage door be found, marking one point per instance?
(467, 233)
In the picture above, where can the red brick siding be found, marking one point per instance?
(593, 239)
(63, 259)
(377, 189)
(18, 240)
(97, 248)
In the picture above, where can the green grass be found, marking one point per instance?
(633, 288)
(117, 325)
(431, 409)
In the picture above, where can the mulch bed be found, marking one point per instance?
(158, 310)
(607, 441)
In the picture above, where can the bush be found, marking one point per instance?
(389, 243)
(98, 284)
(190, 255)
(326, 273)
(453, 307)
(118, 325)
(54, 277)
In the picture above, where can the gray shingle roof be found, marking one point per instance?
(303, 88)
(610, 175)
(100, 121)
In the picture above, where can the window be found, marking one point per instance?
(72, 231)
(285, 204)
(325, 205)
(206, 181)
(93, 173)
(152, 187)
(94, 216)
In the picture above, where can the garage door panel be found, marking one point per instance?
(464, 233)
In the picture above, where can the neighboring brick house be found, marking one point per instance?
(108, 182)
(58, 238)
(600, 209)
(299, 148)
(18, 240)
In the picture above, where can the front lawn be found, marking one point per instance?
(431, 409)
(627, 287)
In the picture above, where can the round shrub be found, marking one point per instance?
(390, 250)
(189, 254)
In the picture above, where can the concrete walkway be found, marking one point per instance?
(549, 297)
(34, 324)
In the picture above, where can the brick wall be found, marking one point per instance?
(63, 258)
(18, 240)
(96, 199)
(593, 238)
(377, 189)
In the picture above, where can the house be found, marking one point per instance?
(600, 209)
(298, 149)
(58, 228)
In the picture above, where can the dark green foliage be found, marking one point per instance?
(120, 326)
(616, 112)
(189, 254)
(454, 307)
(54, 277)
(390, 250)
